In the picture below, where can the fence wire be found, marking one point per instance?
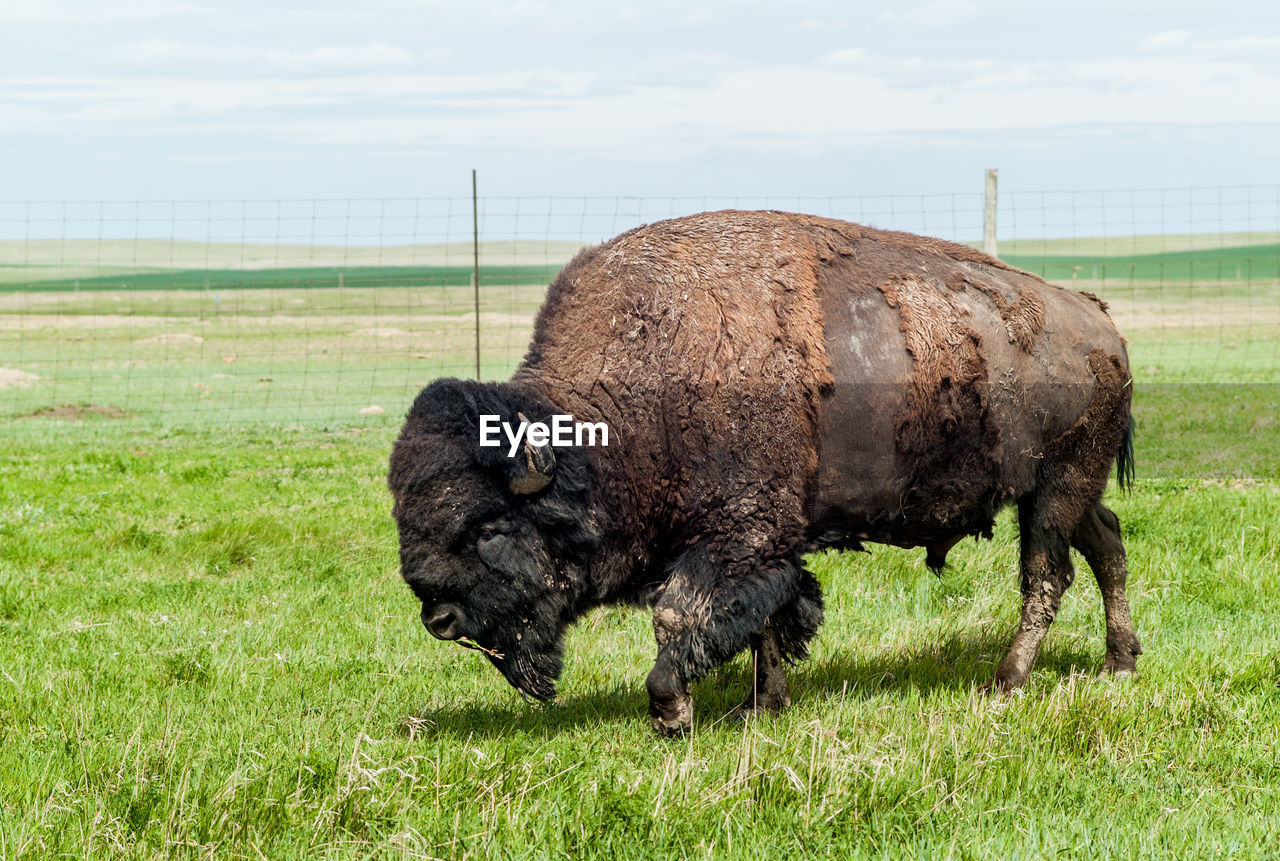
(337, 311)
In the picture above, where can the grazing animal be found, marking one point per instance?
(774, 384)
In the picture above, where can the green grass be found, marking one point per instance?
(271, 355)
(1131, 245)
(207, 651)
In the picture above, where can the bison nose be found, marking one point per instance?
(444, 622)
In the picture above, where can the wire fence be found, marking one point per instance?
(337, 311)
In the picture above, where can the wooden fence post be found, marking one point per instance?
(989, 214)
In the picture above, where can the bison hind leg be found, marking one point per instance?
(1098, 540)
(1046, 574)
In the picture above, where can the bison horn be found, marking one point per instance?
(540, 463)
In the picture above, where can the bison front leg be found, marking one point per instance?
(709, 610)
(769, 689)
(670, 706)
(1046, 574)
(679, 620)
(785, 638)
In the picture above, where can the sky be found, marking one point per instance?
(190, 100)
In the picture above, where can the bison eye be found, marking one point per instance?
(497, 551)
(495, 527)
(490, 548)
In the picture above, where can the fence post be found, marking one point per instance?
(475, 262)
(989, 214)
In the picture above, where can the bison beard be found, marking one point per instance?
(774, 384)
(532, 669)
(528, 654)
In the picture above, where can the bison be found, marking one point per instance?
(775, 384)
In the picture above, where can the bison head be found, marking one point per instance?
(495, 547)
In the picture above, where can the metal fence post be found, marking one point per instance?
(475, 262)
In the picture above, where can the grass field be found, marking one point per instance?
(206, 649)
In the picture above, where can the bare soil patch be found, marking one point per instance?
(17, 379)
(78, 412)
(171, 338)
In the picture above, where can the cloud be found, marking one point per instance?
(94, 11)
(177, 100)
(1167, 41)
(158, 52)
(940, 13)
(368, 96)
(847, 57)
(1259, 46)
(1255, 48)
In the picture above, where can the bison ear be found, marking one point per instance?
(539, 467)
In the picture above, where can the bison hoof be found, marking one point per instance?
(752, 706)
(1004, 683)
(1120, 665)
(671, 729)
(1122, 658)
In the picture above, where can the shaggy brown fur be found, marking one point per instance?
(947, 392)
(1097, 300)
(700, 342)
(943, 425)
(773, 384)
(1023, 318)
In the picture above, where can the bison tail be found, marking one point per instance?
(1124, 460)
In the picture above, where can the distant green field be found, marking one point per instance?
(252, 341)
(1249, 263)
(69, 259)
(1132, 246)
(165, 265)
(293, 278)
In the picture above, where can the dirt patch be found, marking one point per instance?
(367, 324)
(1238, 483)
(78, 412)
(171, 338)
(1131, 316)
(26, 322)
(13, 378)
